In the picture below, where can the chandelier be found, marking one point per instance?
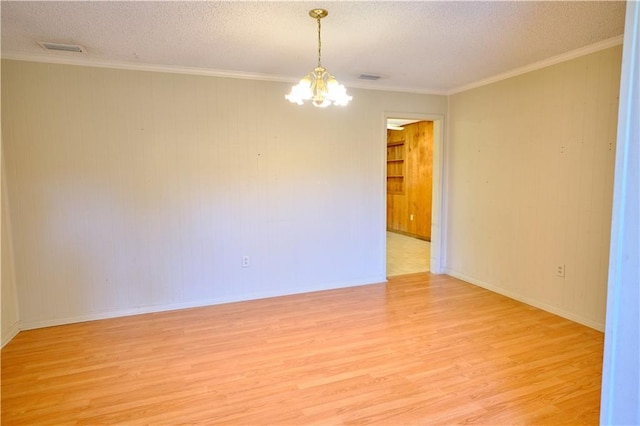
(319, 86)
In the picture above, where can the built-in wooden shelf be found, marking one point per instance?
(395, 167)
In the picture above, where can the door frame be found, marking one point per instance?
(437, 261)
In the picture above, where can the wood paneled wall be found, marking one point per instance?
(409, 209)
(530, 184)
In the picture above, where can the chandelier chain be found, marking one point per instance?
(319, 41)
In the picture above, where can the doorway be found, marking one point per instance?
(413, 188)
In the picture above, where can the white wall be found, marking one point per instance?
(134, 191)
(8, 295)
(530, 184)
(621, 368)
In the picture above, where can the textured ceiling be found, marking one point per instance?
(415, 46)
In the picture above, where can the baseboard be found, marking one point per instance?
(29, 325)
(532, 302)
(9, 334)
(409, 234)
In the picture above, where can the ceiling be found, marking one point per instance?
(423, 47)
(399, 123)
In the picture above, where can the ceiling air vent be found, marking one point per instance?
(61, 47)
(372, 77)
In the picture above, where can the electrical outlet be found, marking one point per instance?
(245, 261)
(410, 217)
(560, 271)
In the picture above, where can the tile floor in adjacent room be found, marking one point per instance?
(406, 255)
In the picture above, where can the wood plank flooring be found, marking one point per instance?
(423, 349)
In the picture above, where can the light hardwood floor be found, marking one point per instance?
(422, 349)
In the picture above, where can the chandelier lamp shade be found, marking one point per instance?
(319, 87)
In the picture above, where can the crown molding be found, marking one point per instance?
(592, 48)
(131, 66)
(68, 60)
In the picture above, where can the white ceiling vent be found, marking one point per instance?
(61, 47)
(372, 77)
